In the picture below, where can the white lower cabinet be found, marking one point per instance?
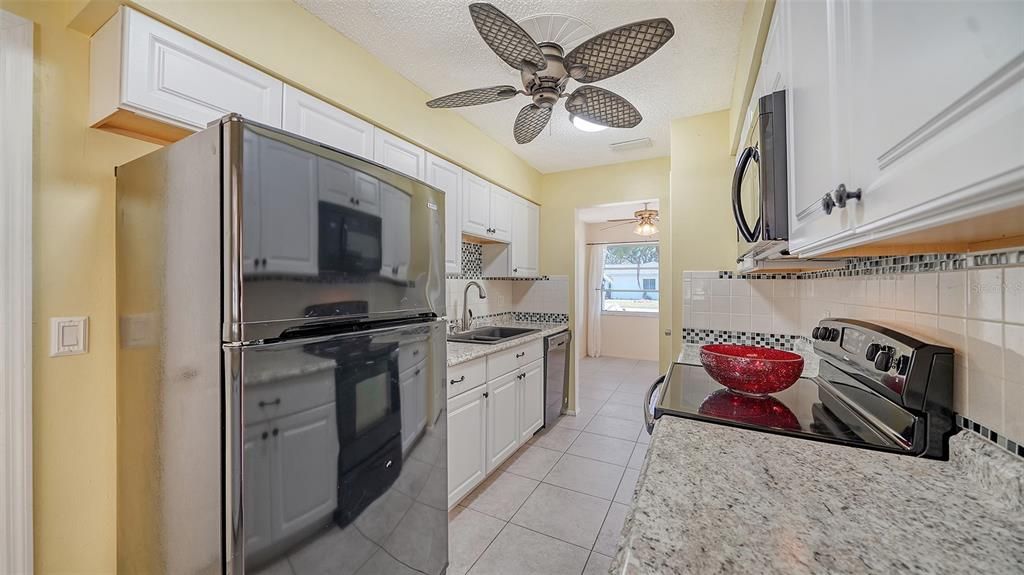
(289, 484)
(412, 391)
(467, 450)
(489, 421)
(502, 419)
(531, 400)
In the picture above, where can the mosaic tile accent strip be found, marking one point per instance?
(1000, 440)
(773, 340)
(473, 267)
(893, 265)
(535, 317)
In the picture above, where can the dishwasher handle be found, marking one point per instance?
(649, 400)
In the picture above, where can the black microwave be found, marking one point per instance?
(349, 241)
(760, 203)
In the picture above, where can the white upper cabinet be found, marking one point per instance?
(396, 237)
(525, 233)
(447, 177)
(142, 66)
(399, 155)
(312, 118)
(280, 202)
(345, 186)
(937, 106)
(919, 106)
(815, 162)
(476, 206)
(501, 214)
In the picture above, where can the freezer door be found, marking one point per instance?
(318, 235)
(339, 444)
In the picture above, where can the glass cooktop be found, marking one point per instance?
(811, 408)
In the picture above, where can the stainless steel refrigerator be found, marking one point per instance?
(281, 358)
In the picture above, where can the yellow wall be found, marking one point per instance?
(561, 237)
(74, 397)
(73, 248)
(286, 41)
(703, 233)
(756, 18)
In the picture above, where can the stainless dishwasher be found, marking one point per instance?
(556, 375)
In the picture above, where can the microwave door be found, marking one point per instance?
(333, 435)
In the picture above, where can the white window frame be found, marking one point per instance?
(17, 63)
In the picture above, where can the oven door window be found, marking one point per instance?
(373, 401)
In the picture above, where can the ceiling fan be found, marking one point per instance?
(546, 71)
(646, 222)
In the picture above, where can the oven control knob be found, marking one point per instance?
(883, 360)
(872, 351)
(816, 333)
(833, 334)
(902, 364)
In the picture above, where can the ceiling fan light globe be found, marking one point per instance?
(645, 229)
(585, 126)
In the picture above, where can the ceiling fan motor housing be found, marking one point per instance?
(546, 86)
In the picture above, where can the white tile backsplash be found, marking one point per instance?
(979, 313)
(540, 296)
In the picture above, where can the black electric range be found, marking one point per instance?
(876, 388)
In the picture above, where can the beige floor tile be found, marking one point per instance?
(636, 460)
(421, 539)
(340, 551)
(532, 461)
(597, 564)
(602, 448)
(518, 551)
(611, 532)
(563, 514)
(612, 427)
(588, 476)
(383, 564)
(624, 494)
(469, 534)
(632, 412)
(500, 495)
(557, 438)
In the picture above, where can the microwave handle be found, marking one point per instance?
(749, 153)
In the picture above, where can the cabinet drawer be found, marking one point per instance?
(466, 376)
(411, 354)
(287, 396)
(498, 364)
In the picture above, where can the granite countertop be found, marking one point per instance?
(718, 499)
(463, 352)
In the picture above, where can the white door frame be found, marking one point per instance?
(16, 79)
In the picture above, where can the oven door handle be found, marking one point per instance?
(649, 406)
(750, 236)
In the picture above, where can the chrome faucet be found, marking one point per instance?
(467, 316)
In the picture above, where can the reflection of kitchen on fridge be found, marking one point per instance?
(282, 358)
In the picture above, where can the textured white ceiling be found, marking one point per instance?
(435, 45)
(613, 211)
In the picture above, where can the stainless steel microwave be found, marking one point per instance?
(759, 189)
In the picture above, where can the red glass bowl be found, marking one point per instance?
(762, 411)
(749, 369)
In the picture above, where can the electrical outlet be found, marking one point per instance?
(69, 336)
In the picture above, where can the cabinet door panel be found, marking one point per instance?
(447, 177)
(467, 448)
(531, 401)
(412, 387)
(171, 75)
(519, 246)
(815, 127)
(938, 108)
(306, 468)
(288, 209)
(396, 246)
(502, 420)
(501, 214)
(311, 117)
(399, 155)
(476, 205)
(532, 260)
(258, 520)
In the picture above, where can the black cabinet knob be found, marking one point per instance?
(883, 360)
(486, 394)
(827, 203)
(872, 351)
(275, 432)
(265, 434)
(843, 195)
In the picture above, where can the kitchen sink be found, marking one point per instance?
(490, 335)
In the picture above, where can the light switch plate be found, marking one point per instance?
(69, 335)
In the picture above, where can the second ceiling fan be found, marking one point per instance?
(546, 70)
